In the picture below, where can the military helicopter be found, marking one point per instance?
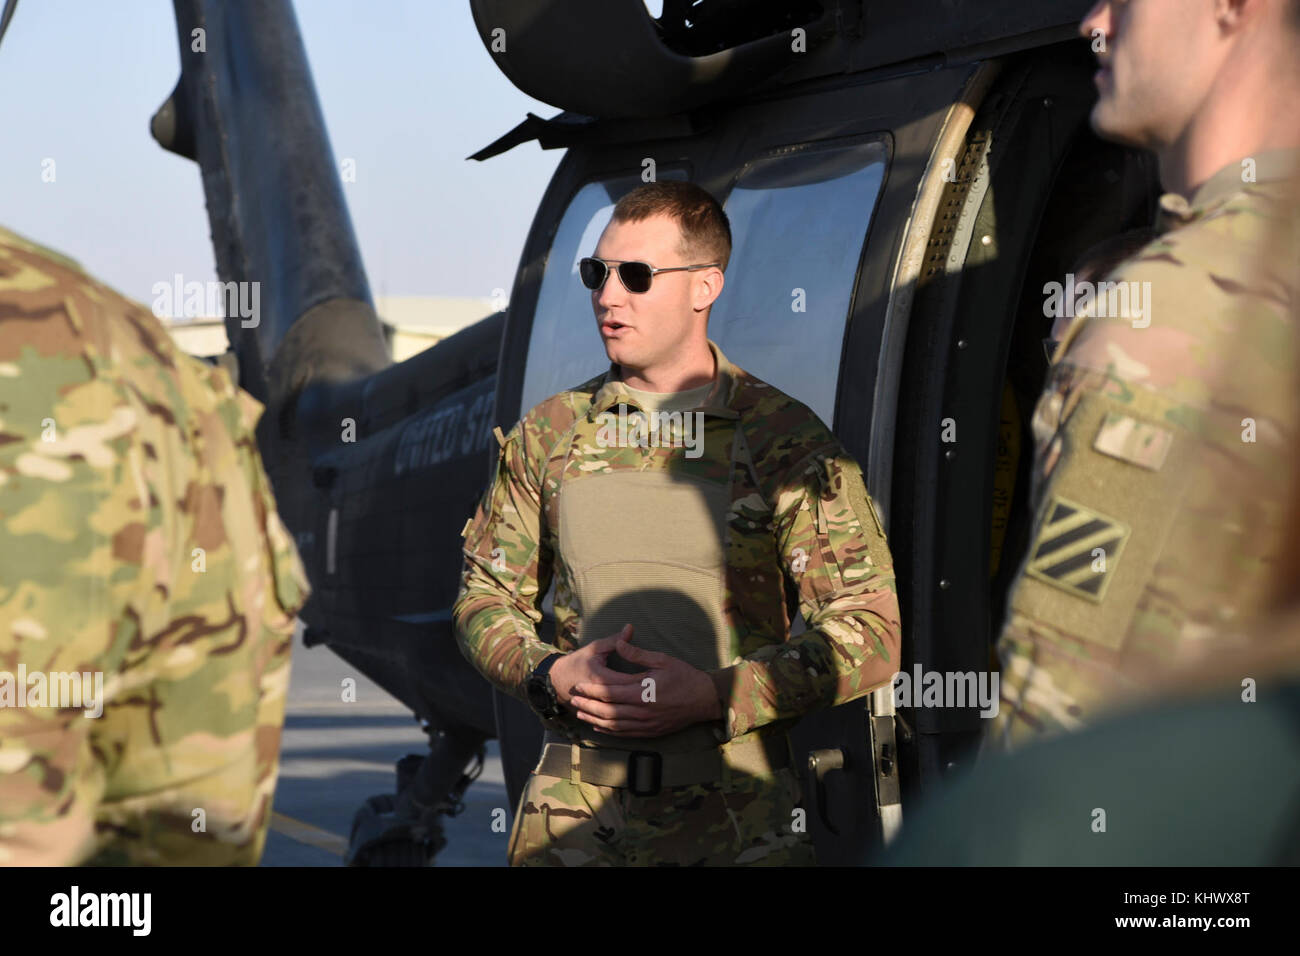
(902, 181)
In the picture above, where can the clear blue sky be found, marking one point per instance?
(408, 91)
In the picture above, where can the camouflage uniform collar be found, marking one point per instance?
(719, 402)
(1270, 166)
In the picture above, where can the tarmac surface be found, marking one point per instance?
(337, 753)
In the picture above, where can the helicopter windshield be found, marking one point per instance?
(798, 223)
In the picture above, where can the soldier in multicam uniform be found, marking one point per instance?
(140, 541)
(678, 563)
(1131, 787)
(1139, 425)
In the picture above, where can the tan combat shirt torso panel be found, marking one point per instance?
(797, 516)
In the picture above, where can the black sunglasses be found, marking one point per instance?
(635, 276)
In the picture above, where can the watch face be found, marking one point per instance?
(537, 695)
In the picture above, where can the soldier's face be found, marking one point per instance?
(1158, 59)
(646, 329)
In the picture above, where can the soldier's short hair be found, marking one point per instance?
(706, 233)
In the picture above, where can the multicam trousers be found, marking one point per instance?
(751, 821)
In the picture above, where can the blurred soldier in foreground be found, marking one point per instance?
(1138, 562)
(680, 503)
(143, 565)
(1208, 772)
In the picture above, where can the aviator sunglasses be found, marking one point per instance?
(635, 276)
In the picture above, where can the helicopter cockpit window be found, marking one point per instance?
(798, 222)
(565, 349)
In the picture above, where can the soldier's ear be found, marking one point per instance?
(708, 287)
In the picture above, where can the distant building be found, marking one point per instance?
(416, 322)
(411, 324)
(202, 337)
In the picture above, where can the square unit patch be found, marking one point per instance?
(1136, 442)
(1077, 549)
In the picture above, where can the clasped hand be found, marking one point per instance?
(669, 695)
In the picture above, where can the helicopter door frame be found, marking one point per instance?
(968, 304)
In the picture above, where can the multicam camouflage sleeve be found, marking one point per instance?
(507, 571)
(144, 566)
(834, 553)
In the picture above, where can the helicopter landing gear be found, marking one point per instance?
(405, 829)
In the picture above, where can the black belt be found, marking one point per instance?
(646, 772)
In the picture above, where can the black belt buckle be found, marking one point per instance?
(636, 768)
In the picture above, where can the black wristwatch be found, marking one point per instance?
(541, 692)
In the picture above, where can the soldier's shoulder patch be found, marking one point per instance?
(1134, 441)
(1077, 549)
